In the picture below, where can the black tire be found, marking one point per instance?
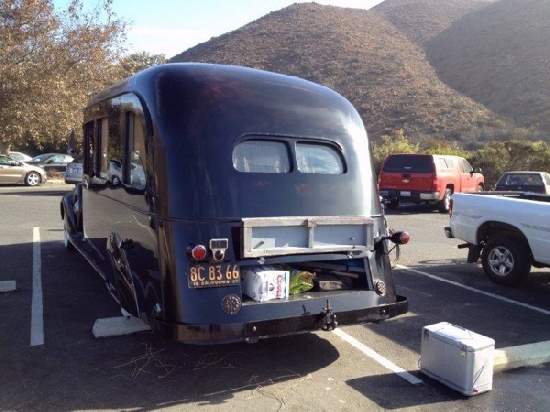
(506, 259)
(445, 203)
(394, 204)
(66, 231)
(33, 179)
(480, 188)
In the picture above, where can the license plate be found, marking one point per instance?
(211, 276)
(405, 194)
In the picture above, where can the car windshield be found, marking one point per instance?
(409, 164)
(522, 179)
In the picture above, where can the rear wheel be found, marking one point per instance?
(33, 179)
(445, 203)
(480, 188)
(394, 204)
(66, 236)
(506, 259)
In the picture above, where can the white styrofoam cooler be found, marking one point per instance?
(457, 357)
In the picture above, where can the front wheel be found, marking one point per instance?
(33, 179)
(506, 260)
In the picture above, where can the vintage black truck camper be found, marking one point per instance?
(195, 175)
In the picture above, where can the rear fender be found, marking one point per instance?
(129, 292)
(67, 212)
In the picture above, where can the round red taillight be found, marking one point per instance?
(199, 252)
(404, 238)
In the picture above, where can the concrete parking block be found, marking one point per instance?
(513, 357)
(118, 326)
(8, 286)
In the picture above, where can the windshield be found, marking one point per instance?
(409, 164)
(521, 179)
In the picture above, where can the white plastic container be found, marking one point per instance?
(457, 357)
(264, 285)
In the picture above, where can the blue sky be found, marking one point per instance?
(172, 26)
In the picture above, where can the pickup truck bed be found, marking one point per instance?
(509, 231)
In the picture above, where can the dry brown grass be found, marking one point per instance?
(364, 57)
(500, 56)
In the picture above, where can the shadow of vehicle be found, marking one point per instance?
(411, 209)
(139, 372)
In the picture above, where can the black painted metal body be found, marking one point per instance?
(138, 211)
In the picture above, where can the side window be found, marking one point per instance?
(103, 144)
(115, 146)
(135, 162)
(96, 160)
(547, 178)
(88, 147)
(5, 160)
(467, 167)
(441, 164)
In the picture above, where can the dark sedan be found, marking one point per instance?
(52, 162)
(536, 182)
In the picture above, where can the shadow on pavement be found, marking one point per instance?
(31, 192)
(74, 371)
(405, 395)
(412, 209)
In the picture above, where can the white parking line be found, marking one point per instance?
(37, 310)
(471, 289)
(371, 353)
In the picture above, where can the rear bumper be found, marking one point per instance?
(252, 331)
(409, 195)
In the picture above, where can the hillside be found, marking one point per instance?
(422, 20)
(500, 56)
(362, 56)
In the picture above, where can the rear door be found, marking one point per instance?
(467, 179)
(408, 173)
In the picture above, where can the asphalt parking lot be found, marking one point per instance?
(319, 371)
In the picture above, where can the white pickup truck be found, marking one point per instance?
(510, 231)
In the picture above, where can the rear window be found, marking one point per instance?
(522, 179)
(318, 158)
(261, 156)
(409, 164)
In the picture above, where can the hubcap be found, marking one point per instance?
(501, 261)
(33, 179)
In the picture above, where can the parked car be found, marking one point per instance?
(14, 172)
(73, 172)
(20, 157)
(535, 182)
(52, 162)
(199, 179)
(431, 179)
(510, 232)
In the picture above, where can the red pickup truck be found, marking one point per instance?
(430, 179)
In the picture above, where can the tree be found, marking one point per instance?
(396, 143)
(50, 64)
(136, 62)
